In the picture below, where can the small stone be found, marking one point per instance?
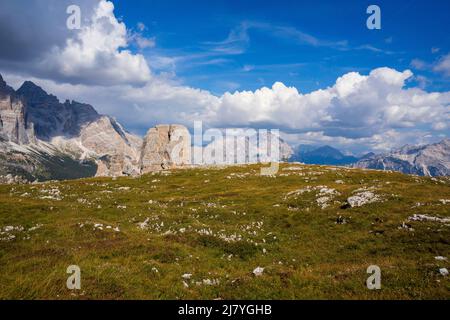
(443, 271)
(258, 271)
(440, 258)
(340, 220)
(207, 282)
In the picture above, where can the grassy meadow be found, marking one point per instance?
(200, 233)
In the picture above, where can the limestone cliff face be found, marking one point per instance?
(31, 116)
(165, 147)
(14, 125)
(117, 149)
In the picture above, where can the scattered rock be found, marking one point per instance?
(424, 217)
(341, 220)
(443, 271)
(406, 226)
(10, 179)
(440, 258)
(363, 198)
(258, 271)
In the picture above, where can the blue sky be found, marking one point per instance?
(243, 45)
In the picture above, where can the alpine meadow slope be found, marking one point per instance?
(310, 232)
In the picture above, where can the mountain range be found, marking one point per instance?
(39, 134)
(325, 155)
(42, 138)
(425, 160)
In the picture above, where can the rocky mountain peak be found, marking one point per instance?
(2, 82)
(52, 118)
(35, 94)
(30, 86)
(84, 112)
(4, 88)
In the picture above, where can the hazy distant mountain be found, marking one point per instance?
(251, 150)
(321, 155)
(367, 155)
(426, 160)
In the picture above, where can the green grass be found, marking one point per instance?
(220, 224)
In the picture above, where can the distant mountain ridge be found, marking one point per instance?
(324, 155)
(426, 160)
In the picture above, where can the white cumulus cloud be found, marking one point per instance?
(97, 54)
(356, 106)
